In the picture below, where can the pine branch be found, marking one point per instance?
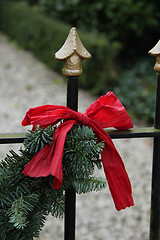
(58, 206)
(21, 207)
(81, 152)
(25, 202)
(36, 140)
(11, 178)
(85, 185)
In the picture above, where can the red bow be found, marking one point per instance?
(106, 111)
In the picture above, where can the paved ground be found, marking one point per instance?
(24, 83)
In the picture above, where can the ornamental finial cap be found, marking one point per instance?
(155, 51)
(73, 52)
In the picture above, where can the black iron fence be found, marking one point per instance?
(149, 132)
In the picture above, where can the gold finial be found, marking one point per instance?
(73, 52)
(155, 51)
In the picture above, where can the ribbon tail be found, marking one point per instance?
(118, 180)
(56, 163)
(39, 166)
(49, 159)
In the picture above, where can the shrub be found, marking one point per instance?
(44, 36)
(133, 23)
(137, 89)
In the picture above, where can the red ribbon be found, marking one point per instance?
(106, 111)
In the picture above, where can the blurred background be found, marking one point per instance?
(118, 34)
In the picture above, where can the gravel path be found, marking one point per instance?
(25, 82)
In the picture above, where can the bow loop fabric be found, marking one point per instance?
(106, 111)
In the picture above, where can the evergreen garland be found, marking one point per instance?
(24, 201)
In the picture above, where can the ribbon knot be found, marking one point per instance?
(106, 111)
(81, 118)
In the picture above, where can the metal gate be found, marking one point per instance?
(73, 52)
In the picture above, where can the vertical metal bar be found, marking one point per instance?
(72, 93)
(73, 52)
(155, 193)
(157, 111)
(70, 195)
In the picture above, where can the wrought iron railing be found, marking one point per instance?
(73, 52)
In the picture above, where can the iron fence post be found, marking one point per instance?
(155, 192)
(70, 195)
(73, 52)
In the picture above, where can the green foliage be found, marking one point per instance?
(25, 202)
(36, 140)
(44, 36)
(81, 155)
(19, 210)
(82, 144)
(126, 21)
(138, 89)
(87, 185)
(22, 217)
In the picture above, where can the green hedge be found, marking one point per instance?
(44, 36)
(133, 23)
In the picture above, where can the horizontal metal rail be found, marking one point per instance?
(8, 138)
(147, 132)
